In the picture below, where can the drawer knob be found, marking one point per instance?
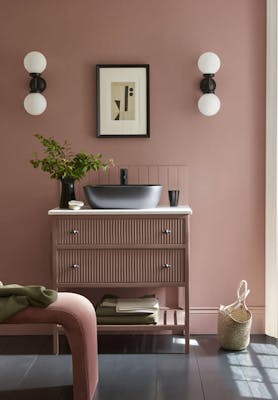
(167, 231)
(167, 266)
(74, 232)
(75, 266)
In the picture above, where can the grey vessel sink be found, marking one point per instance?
(123, 196)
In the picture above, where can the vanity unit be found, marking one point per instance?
(94, 248)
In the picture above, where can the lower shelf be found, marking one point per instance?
(174, 320)
(169, 320)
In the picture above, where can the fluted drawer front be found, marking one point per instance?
(120, 266)
(117, 231)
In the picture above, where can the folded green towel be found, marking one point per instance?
(14, 298)
(138, 319)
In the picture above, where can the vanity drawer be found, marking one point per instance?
(118, 266)
(120, 231)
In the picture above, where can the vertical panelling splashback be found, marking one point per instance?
(169, 176)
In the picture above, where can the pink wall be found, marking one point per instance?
(224, 154)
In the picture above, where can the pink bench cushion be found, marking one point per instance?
(77, 316)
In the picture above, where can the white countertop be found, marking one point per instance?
(153, 211)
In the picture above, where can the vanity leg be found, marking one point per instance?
(186, 289)
(186, 321)
(187, 339)
(55, 338)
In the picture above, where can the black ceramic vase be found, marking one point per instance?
(67, 192)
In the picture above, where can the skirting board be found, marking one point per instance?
(203, 320)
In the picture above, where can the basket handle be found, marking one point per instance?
(242, 292)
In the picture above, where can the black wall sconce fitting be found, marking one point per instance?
(208, 84)
(37, 83)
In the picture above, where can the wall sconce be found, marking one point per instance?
(208, 104)
(35, 103)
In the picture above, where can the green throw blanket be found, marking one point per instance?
(14, 298)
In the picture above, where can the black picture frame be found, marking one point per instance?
(109, 76)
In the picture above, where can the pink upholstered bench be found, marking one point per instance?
(77, 316)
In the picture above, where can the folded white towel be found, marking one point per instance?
(142, 305)
(109, 302)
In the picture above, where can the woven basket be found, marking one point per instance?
(234, 322)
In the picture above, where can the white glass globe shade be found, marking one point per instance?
(209, 104)
(209, 63)
(35, 62)
(35, 103)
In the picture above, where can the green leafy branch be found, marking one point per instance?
(61, 163)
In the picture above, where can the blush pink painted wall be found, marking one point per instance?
(224, 154)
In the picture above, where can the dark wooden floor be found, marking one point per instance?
(29, 371)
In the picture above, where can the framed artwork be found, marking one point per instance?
(123, 100)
